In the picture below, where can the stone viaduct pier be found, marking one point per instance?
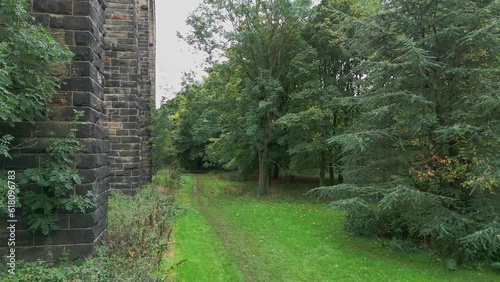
(111, 80)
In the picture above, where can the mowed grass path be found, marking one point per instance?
(197, 249)
(284, 238)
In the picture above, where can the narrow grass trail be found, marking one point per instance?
(198, 251)
(228, 234)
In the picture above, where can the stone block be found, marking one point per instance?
(128, 112)
(95, 174)
(65, 237)
(96, 187)
(53, 6)
(118, 118)
(21, 162)
(119, 104)
(95, 145)
(86, 129)
(91, 161)
(101, 226)
(131, 166)
(38, 252)
(125, 146)
(82, 69)
(70, 22)
(24, 238)
(80, 250)
(69, 38)
(102, 199)
(88, 220)
(130, 139)
(112, 83)
(129, 154)
(82, 53)
(42, 19)
(87, 99)
(130, 125)
(133, 119)
(83, 38)
(82, 8)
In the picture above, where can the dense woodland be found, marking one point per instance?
(395, 106)
(397, 100)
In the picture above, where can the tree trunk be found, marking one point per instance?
(264, 186)
(331, 173)
(322, 168)
(276, 171)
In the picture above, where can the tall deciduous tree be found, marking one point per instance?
(323, 106)
(260, 39)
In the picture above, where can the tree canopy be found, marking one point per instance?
(401, 97)
(260, 39)
(422, 157)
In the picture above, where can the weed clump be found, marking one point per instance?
(137, 237)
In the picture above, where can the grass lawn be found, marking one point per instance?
(231, 235)
(196, 242)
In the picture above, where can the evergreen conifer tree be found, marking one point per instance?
(422, 161)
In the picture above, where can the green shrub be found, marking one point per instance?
(95, 269)
(51, 186)
(139, 229)
(463, 229)
(138, 235)
(30, 67)
(166, 177)
(57, 178)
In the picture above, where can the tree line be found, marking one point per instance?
(400, 97)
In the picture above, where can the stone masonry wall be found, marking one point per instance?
(79, 24)
(146, 44)
(128, 88)
(111, 80)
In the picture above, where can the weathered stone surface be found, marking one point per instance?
(20, 162)
(123, 104)
(24, 238)
(70, 22)
(79, 24)
(88, 220)
(53, 6)
(65, 237)
(91, 161)
(109, 81)
(82, 8)
(42, 19)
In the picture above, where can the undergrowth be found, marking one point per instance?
(140, 228)
(138, 234)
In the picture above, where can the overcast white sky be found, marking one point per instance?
(173, 56)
